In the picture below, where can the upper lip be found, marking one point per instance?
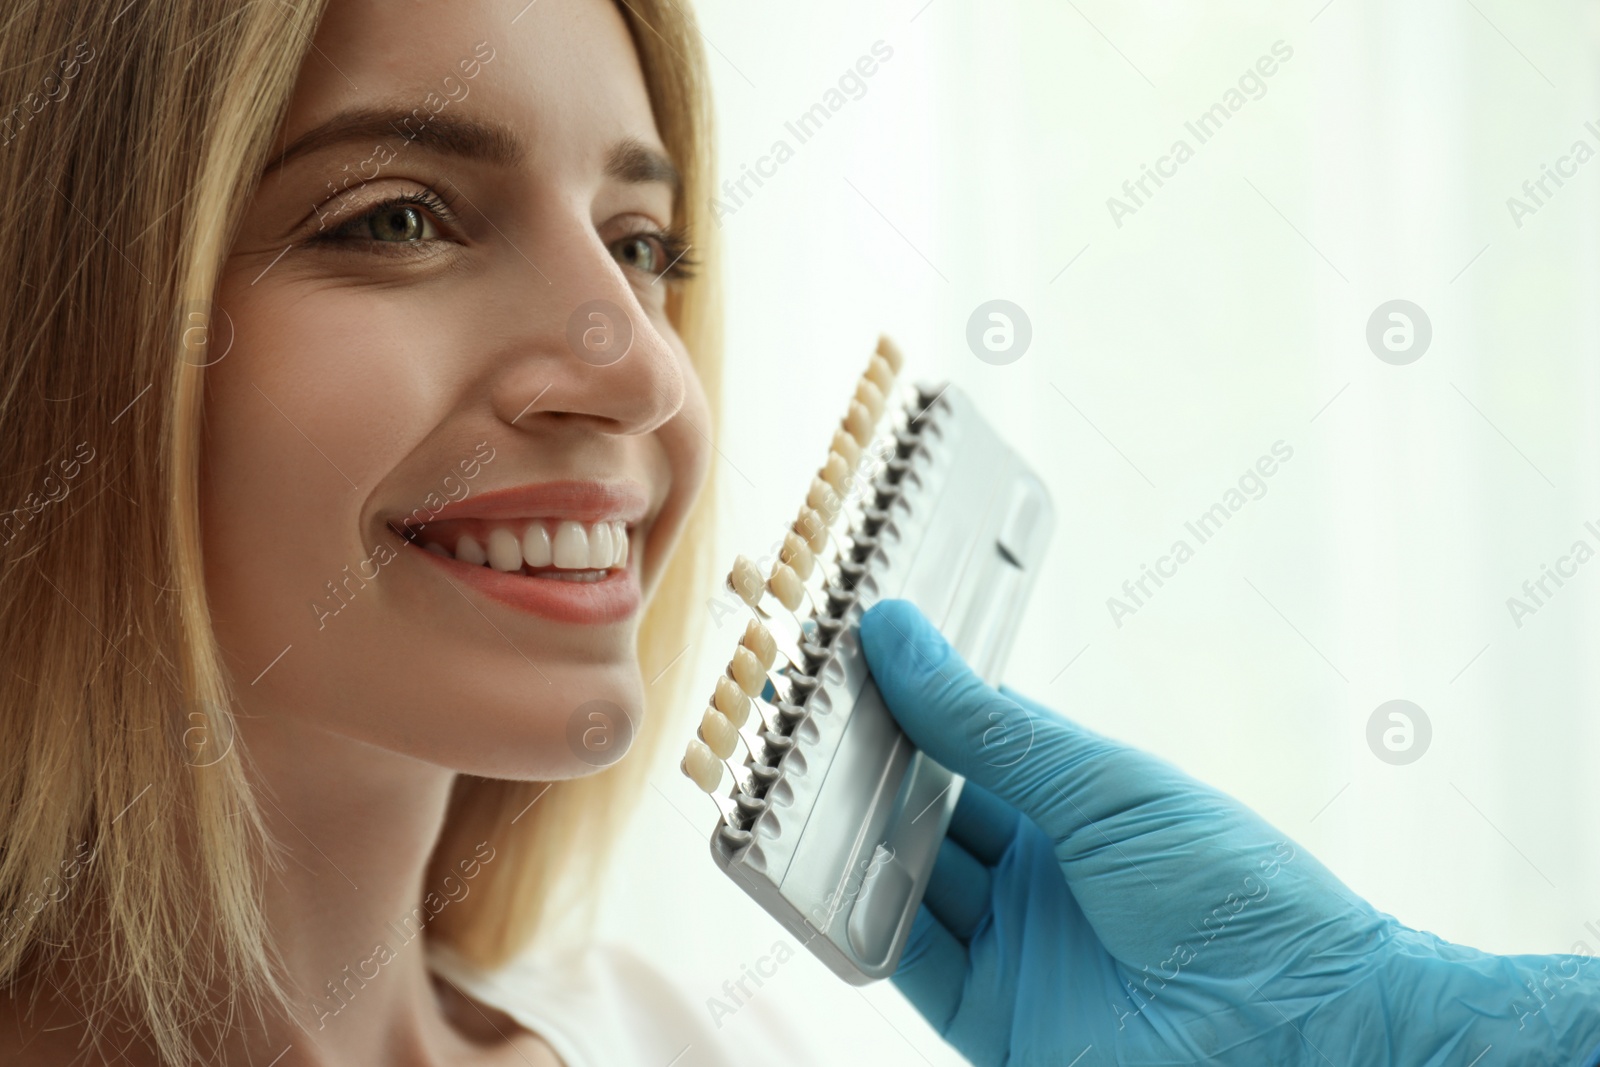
(580, 501)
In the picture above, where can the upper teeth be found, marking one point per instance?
(566, 545)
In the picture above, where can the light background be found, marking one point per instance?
(1227, 313)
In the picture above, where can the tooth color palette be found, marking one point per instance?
(833, 818)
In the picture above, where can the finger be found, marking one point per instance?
(958, 890)
(933, 970)
(983, 824)
(1051, 714)
(1021, 756)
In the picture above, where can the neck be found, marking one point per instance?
(357, 826)
(346, 905)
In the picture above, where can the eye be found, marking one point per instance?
(642, 252)
(655, 253)
(400, 222)
(412, 219)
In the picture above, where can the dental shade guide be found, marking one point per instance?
(835, 818)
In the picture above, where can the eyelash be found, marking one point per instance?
(440, 207)
(674, 241)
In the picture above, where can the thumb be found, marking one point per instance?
(1024, 755)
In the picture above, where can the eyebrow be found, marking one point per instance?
(452, 135)
(631, 160)
(628, 160)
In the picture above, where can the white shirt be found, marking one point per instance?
(609, 1008)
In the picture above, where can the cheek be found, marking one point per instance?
(692, 458)
(324, 396)
(303, 417)
(687, 438)
(687, 453)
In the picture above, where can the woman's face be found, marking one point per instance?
(446, 313)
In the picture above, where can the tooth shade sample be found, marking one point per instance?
(891, 353)
(797, 555)
(571, 547)
(759, 640)
(720, 735)
(536, 545)
(858, 423)
(702, 766)
(731, 700)
(836, 472)
(747, 671)
(745, 579)
(846, 446)
(812, 528)
(879, 373)
(469, 551)
(619, 542)
(871, 398)
(505, 552)
(823, 499)
(601, 550)
(785, 585)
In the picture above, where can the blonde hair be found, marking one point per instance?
(128, 832)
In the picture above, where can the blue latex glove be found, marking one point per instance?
(1092, 905)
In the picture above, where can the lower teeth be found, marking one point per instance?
(590, 575)
(572, 576)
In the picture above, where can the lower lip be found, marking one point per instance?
(612, 599)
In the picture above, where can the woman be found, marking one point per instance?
(301, 283)
(358, 397)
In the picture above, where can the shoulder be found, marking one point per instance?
(605, 1005)
(582, 984)
(40, 1028)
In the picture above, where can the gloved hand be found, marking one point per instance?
(1092, 905)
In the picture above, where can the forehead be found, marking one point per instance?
(561, 76)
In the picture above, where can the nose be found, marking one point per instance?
(584, 346)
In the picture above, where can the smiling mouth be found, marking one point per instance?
(567, 551)
(561, 549)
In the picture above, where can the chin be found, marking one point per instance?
(445, 677)
(585, 719)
